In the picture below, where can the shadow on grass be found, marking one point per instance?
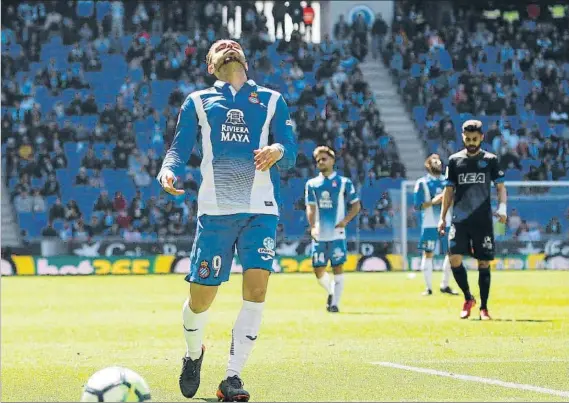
(520, 320)
(360, 313)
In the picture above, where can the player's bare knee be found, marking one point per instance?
(429, 255)
(199, 305)
(483, 264)
(338, 269)
(255, 282)
(455, 260)
(201, 297)
(319, 271)
(255, 294)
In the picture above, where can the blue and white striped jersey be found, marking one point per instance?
(329, 195)
(426, 189)
(232, 124)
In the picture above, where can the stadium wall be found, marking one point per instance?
(333, 9)
(556, 258)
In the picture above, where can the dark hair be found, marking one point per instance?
(428, 160)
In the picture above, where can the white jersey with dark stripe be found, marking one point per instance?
(330, 195)
(228, 125)
(426, 189)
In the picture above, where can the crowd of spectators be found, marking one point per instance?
(513, 73)
(334, 106)
(480, 64)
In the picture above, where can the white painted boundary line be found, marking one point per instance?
(490, 360)
(470, 378)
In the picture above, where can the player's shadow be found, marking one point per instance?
(359, 313)
(521, 320)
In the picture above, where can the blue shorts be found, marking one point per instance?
(217, 237)
(429, 239)
(334, 251)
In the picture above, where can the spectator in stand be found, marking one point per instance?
(72, 212)
(82, 179)
(514, 221)
(378, 32)
(66, 233)
(38, 202)
(119, 202)
(90, 160)
(48, 231)
(81, 232)
(553, 227)
(123, 219)
(23, 202)
(308, 15)
(132, 234)
(103, 202)
(342, 30)
(57, 210)
(360, 30)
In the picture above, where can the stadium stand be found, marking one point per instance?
(90, 96)
(507, 67)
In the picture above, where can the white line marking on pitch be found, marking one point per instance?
(478, 379)
(491, 360)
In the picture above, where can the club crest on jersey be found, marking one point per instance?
(267, 251)
(235, 117)
(234, 128)
(334, 184)
(325, 201)
(253, 98)
(338, 253)
(204, 271)
(482, 164)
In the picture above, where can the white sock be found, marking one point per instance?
(338, 288)
(194, 325)
(244, 335)
(324, 281)
(427, 269)
(446, 272)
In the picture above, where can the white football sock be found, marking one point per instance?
(194, 325)
(244, 335)
(446, 272)
(324, 281)
(427, 269)
(338, 288)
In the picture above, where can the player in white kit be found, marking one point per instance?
(326, 196)
(428, 196)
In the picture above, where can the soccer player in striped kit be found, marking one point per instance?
(428, 197)
(237, 202)
(326, 196)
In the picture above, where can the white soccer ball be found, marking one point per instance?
(116, 384)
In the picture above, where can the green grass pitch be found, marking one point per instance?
(56, 332)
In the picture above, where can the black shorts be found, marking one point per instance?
(476, 240)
